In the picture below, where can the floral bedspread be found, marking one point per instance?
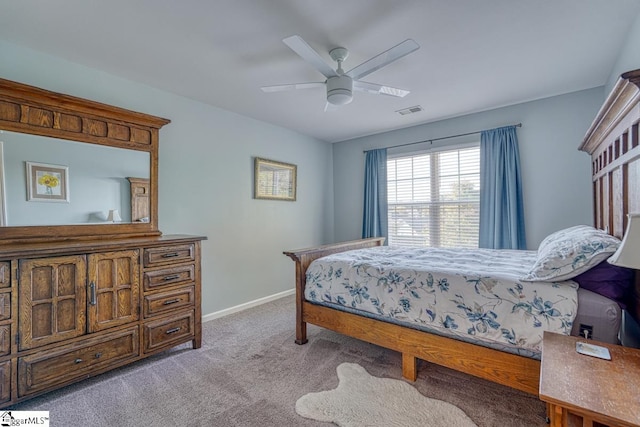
(473, 294)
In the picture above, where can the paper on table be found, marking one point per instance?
(593, 350)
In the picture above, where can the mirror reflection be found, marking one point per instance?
(98, 181)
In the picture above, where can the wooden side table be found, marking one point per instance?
(579, 388)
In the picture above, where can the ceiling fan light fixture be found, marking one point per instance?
(340, 97)
(339, 90)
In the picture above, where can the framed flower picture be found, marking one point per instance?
(47, 183)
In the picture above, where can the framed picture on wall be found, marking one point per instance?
(47, 183)
(274, 180)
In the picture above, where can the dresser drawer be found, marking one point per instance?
(5, 339)
(5, 274)
(5, 381)
(169, 276)
(5, 305)
(169, 331)
(163, 302)
(50, 368)
(169, 255)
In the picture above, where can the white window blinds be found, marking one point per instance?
(434, 198)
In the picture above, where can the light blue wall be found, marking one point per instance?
(205, 181)
(629, 57)
(555, 175)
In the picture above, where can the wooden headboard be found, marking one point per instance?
(612, 142)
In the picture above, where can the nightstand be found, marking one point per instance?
(582, 390)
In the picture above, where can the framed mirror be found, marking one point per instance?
(68, 167)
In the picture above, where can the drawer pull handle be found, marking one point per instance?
(78, 360)
(98, 355)
(172, 277)
(171, 301)
(171, 255)
(92, 293)
(172, 331)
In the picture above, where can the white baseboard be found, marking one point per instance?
(246, 305)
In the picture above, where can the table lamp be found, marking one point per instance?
(114, 216)
(628, 253)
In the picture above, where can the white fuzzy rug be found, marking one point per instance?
(364, 400)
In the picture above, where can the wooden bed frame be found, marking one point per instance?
(612, 141)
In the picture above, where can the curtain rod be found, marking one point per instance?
(519, 125)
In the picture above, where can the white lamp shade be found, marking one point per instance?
(114, 216)
(628, 254)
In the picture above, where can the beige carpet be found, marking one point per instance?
(362, 400)
(249, 372)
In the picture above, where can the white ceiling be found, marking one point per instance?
(475, 54)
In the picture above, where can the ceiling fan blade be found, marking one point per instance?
(299, 46)
(379, 89)
(282, 88)
(385, 58)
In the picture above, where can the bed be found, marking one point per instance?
(612, 142)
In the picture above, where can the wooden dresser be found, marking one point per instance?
(73, 310)
(79, 299)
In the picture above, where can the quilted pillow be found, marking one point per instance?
(566, 253)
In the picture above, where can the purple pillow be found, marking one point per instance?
(608, 280)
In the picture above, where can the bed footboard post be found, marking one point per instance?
(301, 277)
(303, 258)
(301, 332)
(409, 367)
(301, 325)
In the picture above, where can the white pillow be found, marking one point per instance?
(566, 253)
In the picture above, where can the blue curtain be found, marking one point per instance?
(501, 211)
(374, 218)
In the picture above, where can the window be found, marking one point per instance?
(434, 198)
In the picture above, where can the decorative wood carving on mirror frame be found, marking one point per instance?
(32, 110)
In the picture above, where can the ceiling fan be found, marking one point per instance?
(340, 85)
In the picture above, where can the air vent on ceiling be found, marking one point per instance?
(410, 110)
